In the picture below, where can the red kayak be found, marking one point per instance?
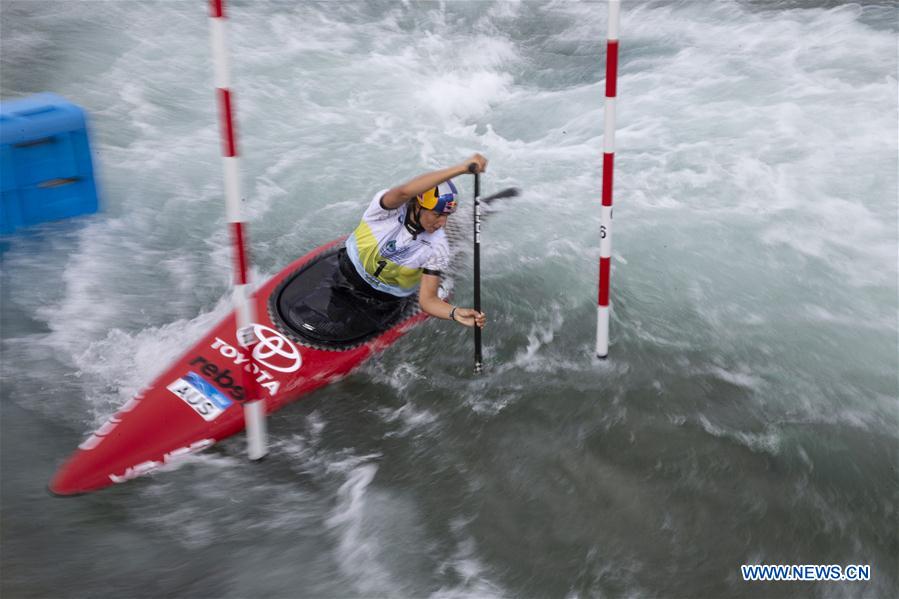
(314, 326)
(197, 401)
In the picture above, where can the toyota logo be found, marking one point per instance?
(275, 351)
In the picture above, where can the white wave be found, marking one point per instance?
(450, 95)
(412, 420)
(358, 553)
(767, 442)
(468, 566)
(755, 205)
(740, 376)
(114, 368)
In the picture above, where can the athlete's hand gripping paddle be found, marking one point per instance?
(473, 169)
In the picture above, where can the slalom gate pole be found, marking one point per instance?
(608, 168)
(254, 406)
(478, 358)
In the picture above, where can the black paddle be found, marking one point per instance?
(473, 169)
(509, 192)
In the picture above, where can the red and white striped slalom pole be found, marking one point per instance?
(254, 407)
(608, 169)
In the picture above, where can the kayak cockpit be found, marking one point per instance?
(321, 305)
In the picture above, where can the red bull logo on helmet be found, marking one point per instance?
(440, 199)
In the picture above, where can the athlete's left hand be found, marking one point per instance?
(470, 317)
(478, 160)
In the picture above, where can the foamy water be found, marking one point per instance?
(748, 412)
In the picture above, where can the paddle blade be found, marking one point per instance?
(510, 192)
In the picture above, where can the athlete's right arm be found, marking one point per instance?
(397, 196)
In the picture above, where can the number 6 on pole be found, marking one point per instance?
(608, 166)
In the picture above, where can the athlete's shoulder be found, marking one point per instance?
(376, 210)
(438, 256)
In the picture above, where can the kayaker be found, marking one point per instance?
(400, 246)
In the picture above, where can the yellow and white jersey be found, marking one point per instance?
(386, 254)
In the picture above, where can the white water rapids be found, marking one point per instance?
(747, 413)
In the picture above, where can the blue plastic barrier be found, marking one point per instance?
(46, 172)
